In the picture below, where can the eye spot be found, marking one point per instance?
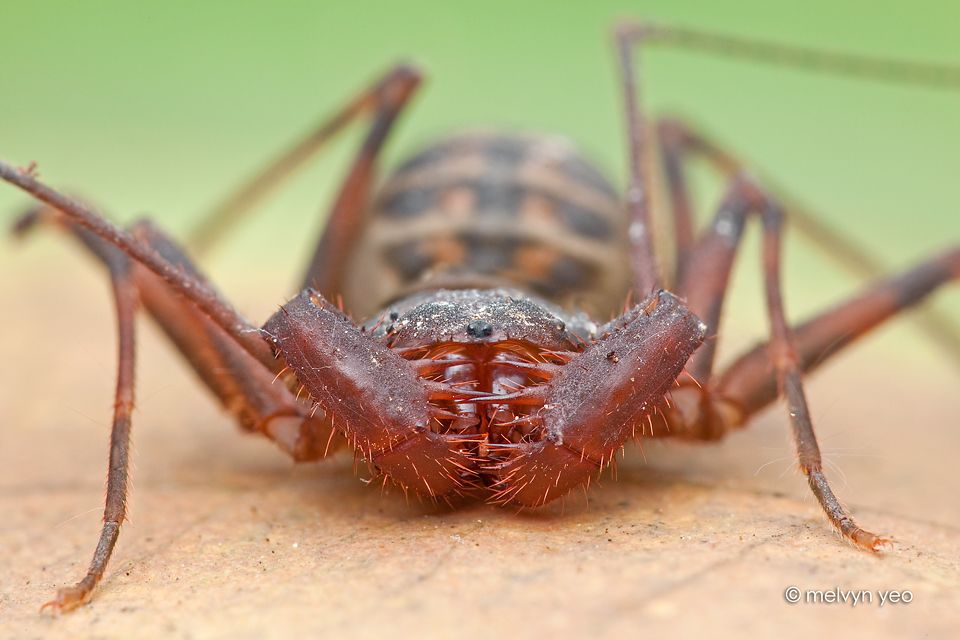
(479, 329)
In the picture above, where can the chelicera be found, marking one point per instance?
(463, 358)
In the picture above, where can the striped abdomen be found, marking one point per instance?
(484, 210)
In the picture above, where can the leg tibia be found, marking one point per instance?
(750, 381)
(246, 388)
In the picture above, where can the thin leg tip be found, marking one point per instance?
(66, 600)
(870, 542)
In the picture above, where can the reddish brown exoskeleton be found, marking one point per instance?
(474, 366)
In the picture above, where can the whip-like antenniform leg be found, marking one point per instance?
(709, 408)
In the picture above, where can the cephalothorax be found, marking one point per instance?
(468, 353)
(490, 392)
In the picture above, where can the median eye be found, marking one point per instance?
(479, 329)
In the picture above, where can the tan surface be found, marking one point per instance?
(228, 540)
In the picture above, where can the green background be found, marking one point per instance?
(162, 107)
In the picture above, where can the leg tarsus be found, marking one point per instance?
(838, 518)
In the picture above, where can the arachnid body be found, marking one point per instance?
(471, 356)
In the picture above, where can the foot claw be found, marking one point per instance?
(67, 600)
(869, 542)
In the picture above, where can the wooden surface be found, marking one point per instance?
(227, 539)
